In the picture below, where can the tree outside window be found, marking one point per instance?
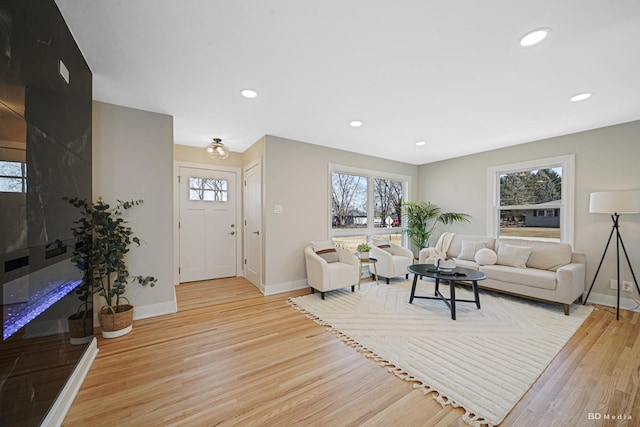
(523, 196)
(349, 200)
(388, 203)
(365, 204)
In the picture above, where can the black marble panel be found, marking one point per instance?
(45, 122)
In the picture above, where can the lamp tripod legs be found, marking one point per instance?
(619, 243)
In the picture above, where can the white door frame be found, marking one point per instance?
(176, 213)
(257, 162)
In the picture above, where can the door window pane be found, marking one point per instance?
(208, 189)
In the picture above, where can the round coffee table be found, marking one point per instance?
(459, 274)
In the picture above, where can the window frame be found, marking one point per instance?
(566, 162)
(370, 230)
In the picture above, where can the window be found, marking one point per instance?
(13, 177)
(208, 189)
(532, 200)
(365, 204)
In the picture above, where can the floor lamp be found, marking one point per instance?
(615, 203)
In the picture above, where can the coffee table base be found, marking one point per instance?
(450, 302)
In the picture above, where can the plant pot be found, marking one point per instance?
(116, 322)
(81, 327)
(364, 256)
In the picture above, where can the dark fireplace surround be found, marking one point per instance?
(45, 135)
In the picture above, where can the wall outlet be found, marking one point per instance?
(613, 283)
(627, 286)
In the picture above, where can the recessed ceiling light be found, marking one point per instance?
(580, 97)
(355, 123)
(249, 93)
(534, 37)
(420, 143)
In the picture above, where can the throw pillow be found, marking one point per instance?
(469, 249)
(514, 256)
(326, 250)
(486, 256)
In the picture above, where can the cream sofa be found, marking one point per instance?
(551, 271)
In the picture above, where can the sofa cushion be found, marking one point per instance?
(453, 251)
(486, 256)
(513, 256)
(326, 250)
(545, 255)
(467, 264)
(469, 249)
(543, 279)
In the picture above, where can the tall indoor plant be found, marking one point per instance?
(101, 254)
(422, 218)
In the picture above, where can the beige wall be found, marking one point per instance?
(184, 153)
(296, 177)
(133, 159)
(605, 159)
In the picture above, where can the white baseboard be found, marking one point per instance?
(146, 311)
(153, 310)
(611, 301)
(279, 288)
(60, 407)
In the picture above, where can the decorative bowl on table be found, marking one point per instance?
(446, 265)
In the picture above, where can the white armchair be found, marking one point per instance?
(326, 276)
(393, 259)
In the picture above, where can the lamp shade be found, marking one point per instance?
(615, 202)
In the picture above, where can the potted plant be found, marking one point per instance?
(103, 243)
(422, 218)
(363, 249)
(81, 322)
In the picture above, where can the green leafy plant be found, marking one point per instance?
(103, 243)
(422, 218)
(363, 247)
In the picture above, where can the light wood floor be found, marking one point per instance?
(231, 356)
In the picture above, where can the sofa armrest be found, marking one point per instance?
(429, 255)
(570, 282)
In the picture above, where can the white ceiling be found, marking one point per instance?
(451, 73)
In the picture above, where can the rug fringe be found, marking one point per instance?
(469, 418)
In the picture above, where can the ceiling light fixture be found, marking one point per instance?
(580, 97)
(420, 143)
(355, 123)
(217, 150)
(249, 93)
(534, 37)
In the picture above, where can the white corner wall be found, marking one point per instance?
(297, 178)
(605, 159)
(133, 159)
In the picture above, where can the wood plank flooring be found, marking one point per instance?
(231, 356)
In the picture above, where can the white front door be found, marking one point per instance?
(208, 232)
(253, 224)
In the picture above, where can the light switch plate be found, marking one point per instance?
(277, 209)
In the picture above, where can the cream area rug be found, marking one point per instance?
(484, 361)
